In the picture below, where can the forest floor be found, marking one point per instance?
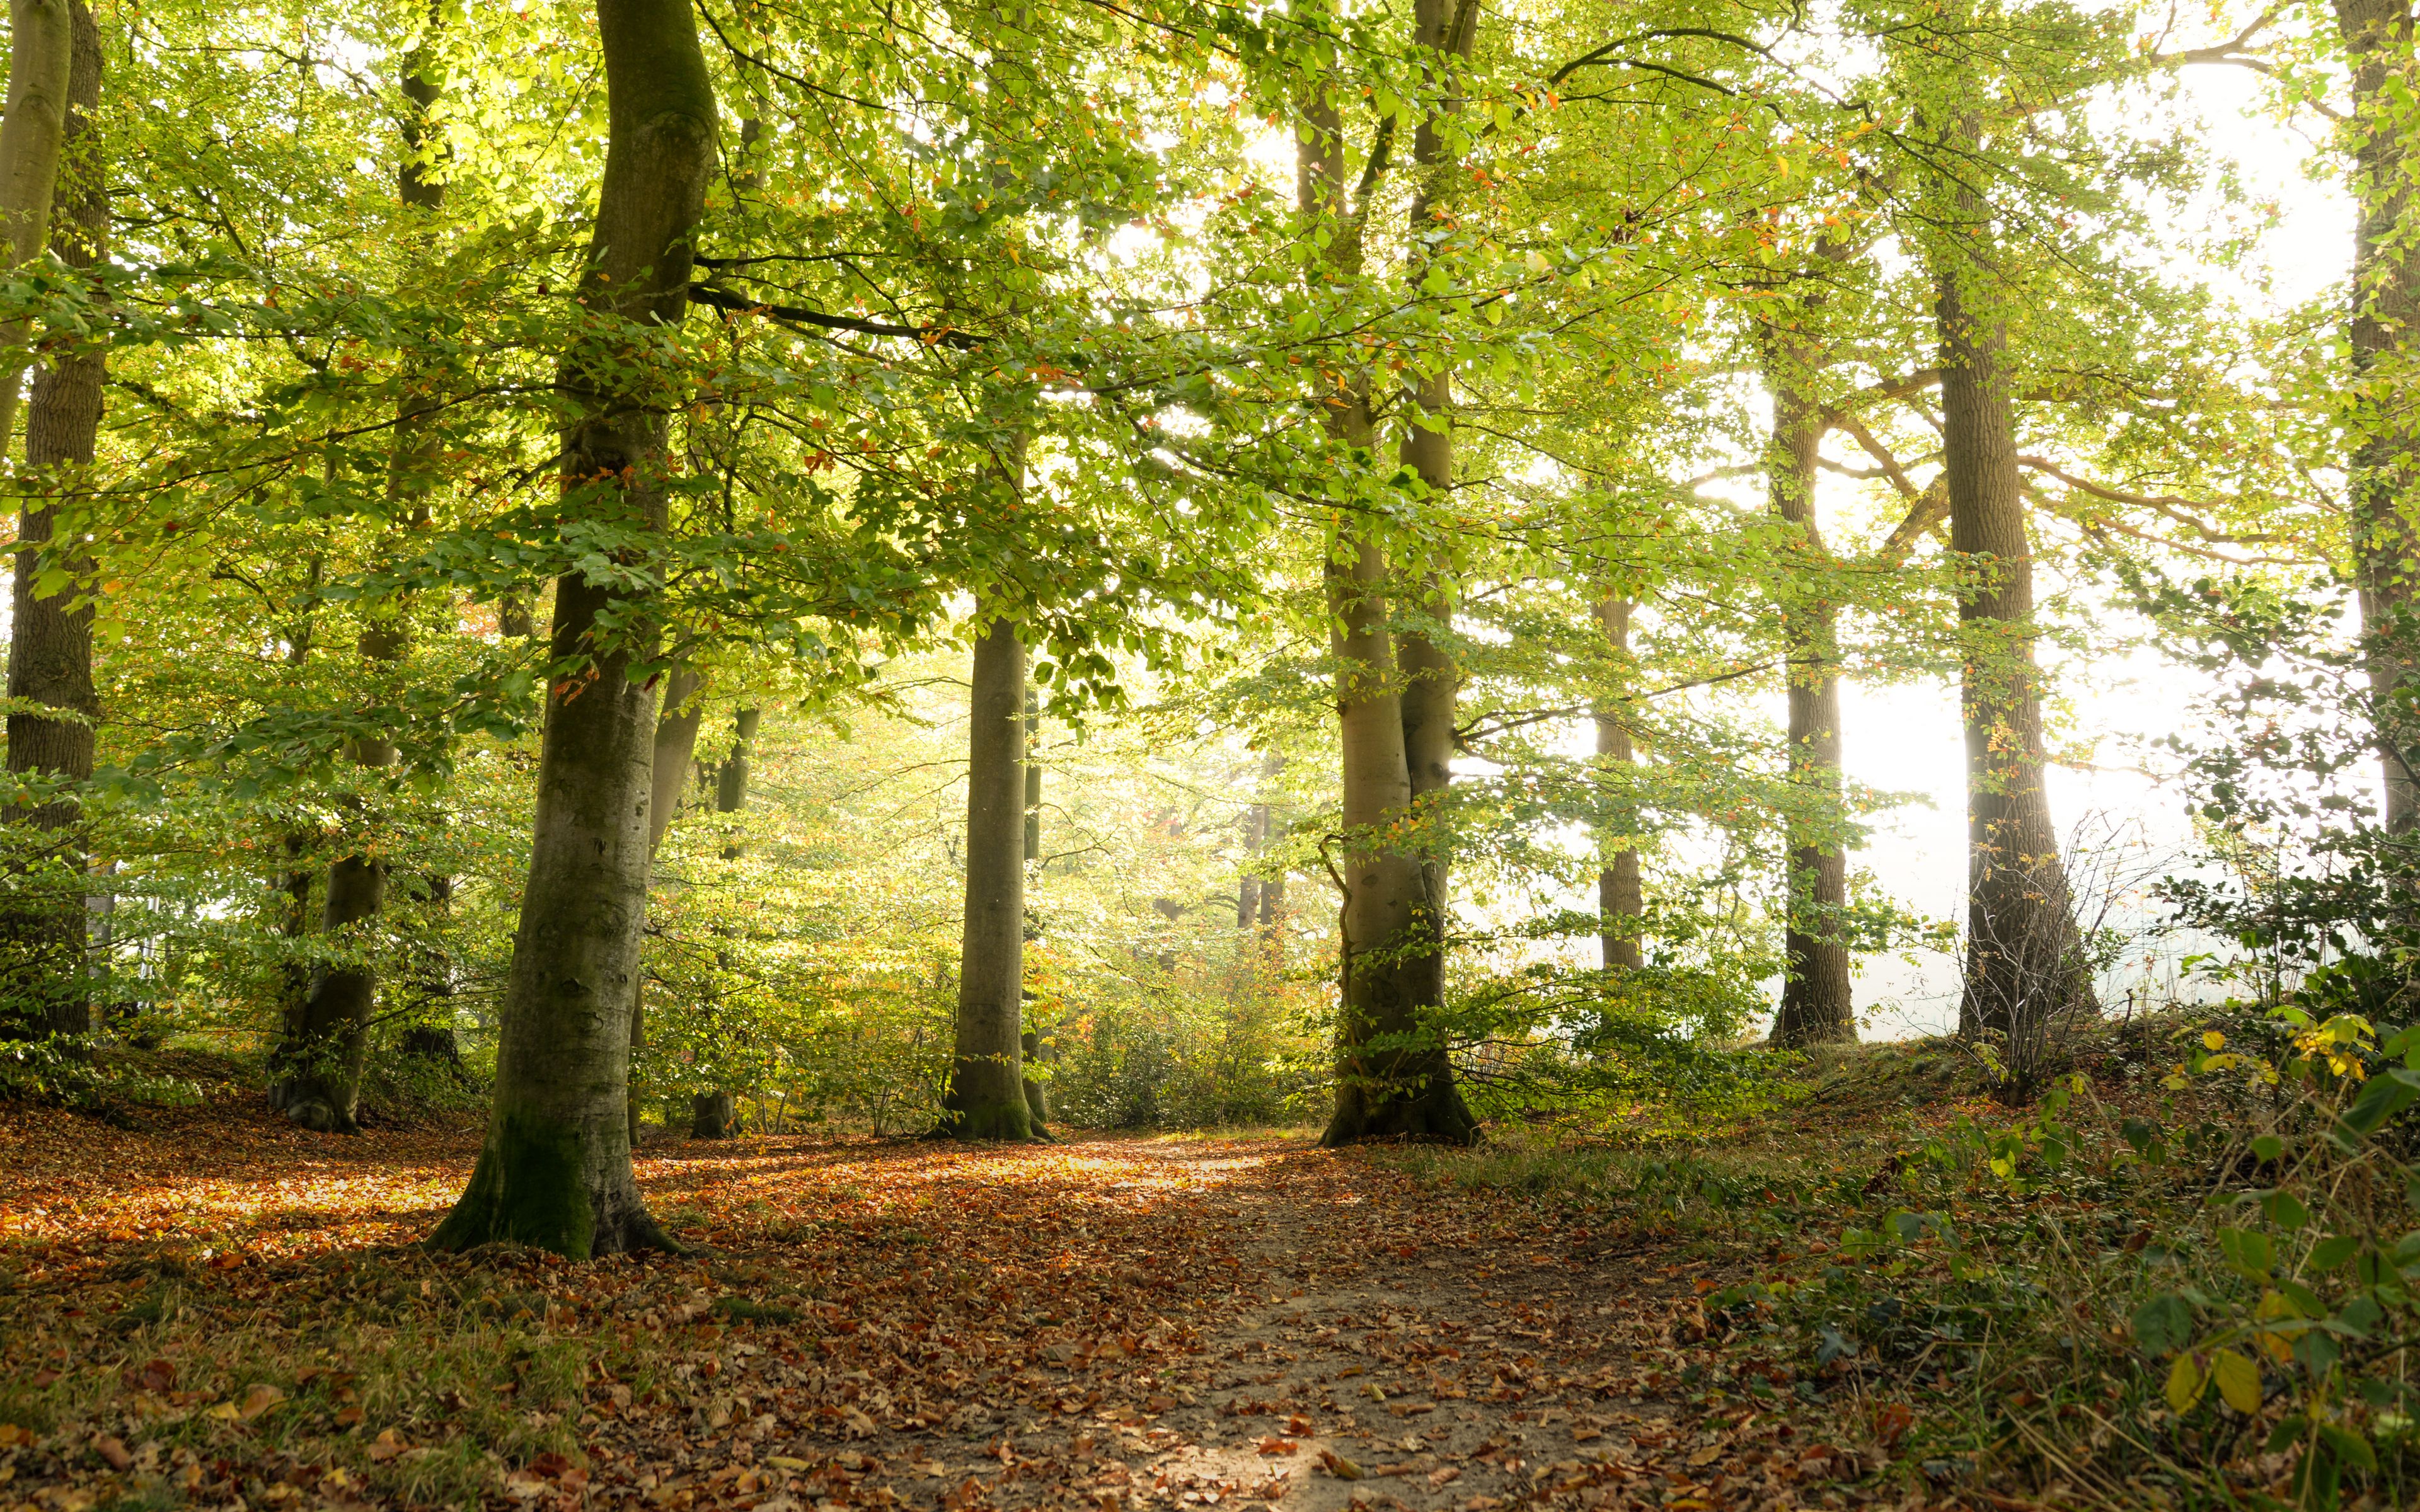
(212, 1308)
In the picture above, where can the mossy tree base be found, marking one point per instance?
(1005, 1120)
(1416, 1104)
(546, 1187)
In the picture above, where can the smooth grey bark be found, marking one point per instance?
(45, 954)
(667, 765)
(2385, 315)
(33, 138)
(1248, 886)
(1621, 895)
(986, 1093)
(1393, 1078)
(1815, 1004)
(2024, 963)
(731, 779)
(554, 1171)
(714, 1114)
(1033, 774)
(1030, 1042)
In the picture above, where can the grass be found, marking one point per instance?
(2116, 1299)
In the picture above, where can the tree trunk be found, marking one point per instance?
(1430, 681)
(554, 1171)
(675, 741)
(731, 779)
(2023, 965)
(33, 138)
(712, 1115)
(1248, 886)
(45, 978)
(1620, 897)
(2378, 37)
(1816, 1007)
(322, 1089)
(1032, 774)
(1393, 1078)
(986, 1093)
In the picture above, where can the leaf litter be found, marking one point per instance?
(218, 1311)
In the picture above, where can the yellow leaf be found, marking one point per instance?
(2238, 1381)
(2185, 1383)
(2215, 1039)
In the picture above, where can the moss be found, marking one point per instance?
(530, 1188)
(1006, 1119)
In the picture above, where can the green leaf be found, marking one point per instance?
(2282, 1437)
(2248, 1252)
(2163, 1324)
(2268, 1146)
(2286, 1211)
(2386, 1095)
(2334, 1251)
(2348, 1446)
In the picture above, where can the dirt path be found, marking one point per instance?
(1109, 1324)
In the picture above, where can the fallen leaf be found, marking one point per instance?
(1274, 1446)
(1340, 1467)
(1706, 1456)
(386, 1446)
(1445, 1474)
(114, 1451)
(260, 1400)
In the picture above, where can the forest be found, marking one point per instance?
(1348, 755)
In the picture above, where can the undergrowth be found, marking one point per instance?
(2184, 1278)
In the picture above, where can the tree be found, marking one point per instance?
(319, 1058)
(554, 1171)
(43, 972)
(1815, 1006)
(986, 1094)
(2377, 37)
(2024, 961)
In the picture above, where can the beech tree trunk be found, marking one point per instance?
(2023, 960)
(1032, 774)
(33, 137)
(1621, 899)
(554, 1171)
(1393, 1078)
(1037, 1101)
(45, 979)
(1248, 886)
(714, 1114)
(1816, 1004)
(1430, 681)
(2385, 307)
(986, 1093)
(668, 768)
